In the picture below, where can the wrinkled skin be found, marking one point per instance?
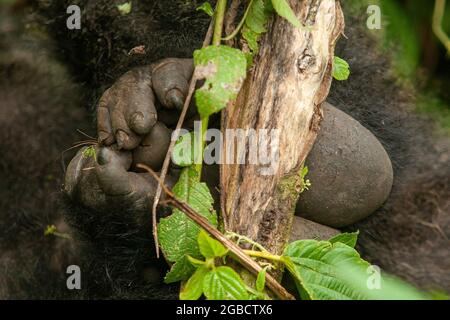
(129, 133)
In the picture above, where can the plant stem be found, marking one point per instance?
(218, 24)
(166, 163)
(240, 25)
(263, 255)
(237, 252)
(438, 17)
(199, 160)
(217, 38)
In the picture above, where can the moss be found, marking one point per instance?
(291, 185)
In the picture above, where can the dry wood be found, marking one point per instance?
(284, 90)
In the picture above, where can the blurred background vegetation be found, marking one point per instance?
(419, 59)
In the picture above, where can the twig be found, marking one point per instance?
(230, 18)
(438, 17)
(166, 164)
(241, 256)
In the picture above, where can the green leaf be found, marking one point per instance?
(252, 39)
(180, 271)
(314, 264)
(257, 17)
(124, 8)
(326, 271)
(209, 247)
(223, 283)
(284, 10)
(185, 150)
(261, 280)
(193, 289)
(90, 152)
(196, 262)
(177, 233)
(206, 7)
(390, 288)
(341, 69)
(224, 69)
(349, 239)
(305, 182)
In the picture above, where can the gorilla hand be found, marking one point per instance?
(104, 182)
(128, 110)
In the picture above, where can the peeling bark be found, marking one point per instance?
(284, 90)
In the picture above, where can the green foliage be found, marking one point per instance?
(326, 270)
(390, 288)
(90, 152)
(322, 269)
(314, 266)
(124, 8)
(206, 8)
(177, 233)
(284, 10)
(306, 184)
(180, 270)
(193, 289)
(51, 229)
(223, 283)
(185, 150)
(224, 69)
(401, 34)
(257, 17)
(209, 247)
(255, 25)
(261, 280)
(214, 282)
(349, 239)
(341, 69)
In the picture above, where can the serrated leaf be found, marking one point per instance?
(223, 283)
(180, 271)
(193, 289)
(261, 280)
(209, 247)
(315, 266)
(325, 271)
(206, 8)
(341, 69)
(283, 9)
(177, 233)
(224, 70)
(185, 150)
(349, 239)
(257, 17)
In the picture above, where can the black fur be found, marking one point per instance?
(39, 118)
(408, 236)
